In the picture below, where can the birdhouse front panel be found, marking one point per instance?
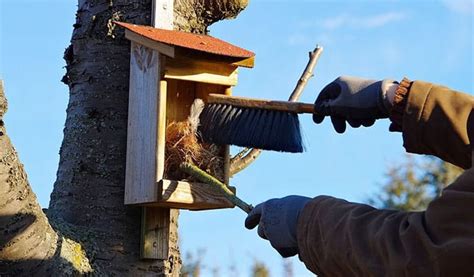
(169, 70)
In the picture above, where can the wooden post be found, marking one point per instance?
(158, 224)
(155, 227)
(156, 221)
(162, 14)
(228, 92)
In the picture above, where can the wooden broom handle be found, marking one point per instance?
(284, 106)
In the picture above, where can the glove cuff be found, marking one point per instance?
(385, 104)
(399, 104)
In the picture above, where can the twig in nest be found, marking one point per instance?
(206, 178)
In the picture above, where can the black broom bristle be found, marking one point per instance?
(251, 127)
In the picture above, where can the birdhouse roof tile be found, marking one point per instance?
(203, 43)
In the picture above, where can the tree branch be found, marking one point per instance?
(240, 162)
(206, 178)
(307, 74)
(243, 162)
(29, 245)
(22, 222)
(196, 15)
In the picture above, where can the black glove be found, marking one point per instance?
(355, 100)
(277, 220)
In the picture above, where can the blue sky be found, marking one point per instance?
(426, 40)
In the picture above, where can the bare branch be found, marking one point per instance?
(307, 74)
(241, 162)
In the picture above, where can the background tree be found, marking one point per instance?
(87, 228)
(259, 269)
(288, 268)
(414, 183)
(192, 265)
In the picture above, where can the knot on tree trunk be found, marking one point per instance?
(3, 101)
(195, 16)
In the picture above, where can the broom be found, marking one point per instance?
(257, 123)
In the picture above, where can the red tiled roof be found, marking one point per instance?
(197, 42)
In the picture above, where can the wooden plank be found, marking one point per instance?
(190, 195)
(162, 14)
(155, 235)
(162, 48)
(161, 141)
(159, 231)
(142, 125)
(201, 71)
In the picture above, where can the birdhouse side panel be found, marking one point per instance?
(141, 165)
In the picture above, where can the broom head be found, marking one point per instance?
(251, 127)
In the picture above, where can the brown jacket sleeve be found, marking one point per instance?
(435, 122)
(339, 238)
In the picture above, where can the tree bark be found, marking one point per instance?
(25, 231)
(88, 194)
(88, 229)
(28, 243)
(196, 15)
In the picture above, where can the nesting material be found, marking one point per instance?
(182, 145)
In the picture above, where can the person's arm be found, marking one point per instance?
(434, 120)
(338, 238)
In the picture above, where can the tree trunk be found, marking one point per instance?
(93, 230)
(24, 229)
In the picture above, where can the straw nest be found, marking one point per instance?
(182, 145)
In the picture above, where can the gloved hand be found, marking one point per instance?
(355, 100)
(277, 220)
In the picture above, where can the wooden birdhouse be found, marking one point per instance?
(168, 71)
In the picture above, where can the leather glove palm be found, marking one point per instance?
(355, 100)
(277, 220)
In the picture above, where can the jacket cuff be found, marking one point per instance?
(305, 233)
(399, 104)
(412, 125)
